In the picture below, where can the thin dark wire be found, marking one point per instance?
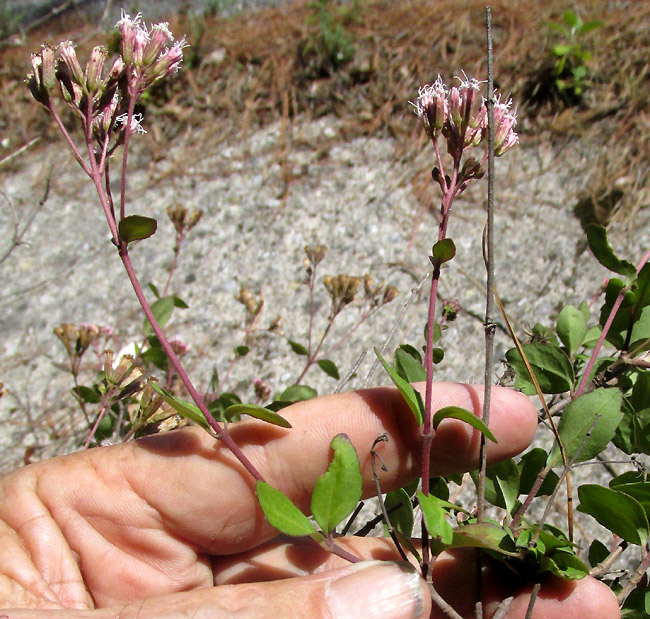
(489, 264)
(488, 326)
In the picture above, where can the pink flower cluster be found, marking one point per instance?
(149, 55)
(146, 57)
(460, 115)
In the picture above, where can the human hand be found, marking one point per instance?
(146, 528)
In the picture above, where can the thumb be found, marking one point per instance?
(368, 590)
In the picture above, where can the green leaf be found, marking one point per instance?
(400, 517)
(639, 490)
(443, 251)
(591, 337)
(550, 364)
(409, 368)
(412, 397)
(153, 288)
(558, 28)
(299, 349)
(571, 328)
(178, 302)
(602, 251)
(157, 357)
(462, 414)
(579, 418)
(618, 512)
(530, 466)
(337, 492)
(281, 513)
(298, 393)
(435, 518)
(501, 484)
(570, 18)
(565, 565)
(643, 286)
(484, 535)
(258, 412)
(640, 334)
(589, 26)
(640, 395)
(184, 409)
(411, 350)
(136, 228)
(242, 351)
(162, 310)
(437, 487)
(637, 604)
(598, 552)
(88, 394)
(561, 50)
(437, 355)
(329, 368)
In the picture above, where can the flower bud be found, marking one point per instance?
(95, 67)
(140, 41)
(179, 347)
(368, 285)
(316, 253)
(159, 38)
(432, 107)
(127, 28)
(450, 309)
(116, 70)
(69, 57)
(262, 389)
(168, 63)
(472, 169)
(504, 122)
(455, 107)
(390, 294)
(48, 67)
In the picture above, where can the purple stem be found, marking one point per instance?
(221, 432)
(66, 135)
(448, 192)
(96, 175)
(605, 331)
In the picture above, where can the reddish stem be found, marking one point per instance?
(221, 432)
(605, 331)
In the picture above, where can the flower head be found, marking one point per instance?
(460, 114)
(69, 57)
(42, 79)
(504, 121)
(432, 106)
(95, 67)
(148, 54)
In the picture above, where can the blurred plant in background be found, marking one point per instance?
(564, 75)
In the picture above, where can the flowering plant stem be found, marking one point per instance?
(448, 193)
(96, 173)
(461, 117)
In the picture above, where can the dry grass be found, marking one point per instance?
(247, 71)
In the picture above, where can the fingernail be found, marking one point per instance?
(376, 590)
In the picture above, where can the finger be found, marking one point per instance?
(200, 491)
(211, 486)
(453, 578)
(372, 590)
(140, 518)
(557, 598)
